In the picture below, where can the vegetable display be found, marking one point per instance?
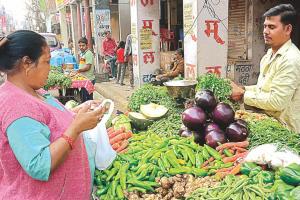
(207, 151)
(150, 156)
(57, 79)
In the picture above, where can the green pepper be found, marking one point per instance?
(180, 170)
(114, 187)
(291, 174)
(199, 172)
(141, 184)
(172, 159)
(111, 174)
(161, 165)
(119, 192)
(247, 167)
(282, 190)
(205, 154)
(295, 193)
(254, 171)
(102, 191)
(227, 153)
(213, 152)
(123, 176)
(190, 154)
(266, 177)
(153, 173)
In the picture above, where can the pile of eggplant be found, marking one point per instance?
(212, 122)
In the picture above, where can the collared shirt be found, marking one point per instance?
(109, 47)
(277, 91)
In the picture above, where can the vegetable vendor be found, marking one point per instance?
(177, 68)
(42, 152)
(86, 67)
(277, 91)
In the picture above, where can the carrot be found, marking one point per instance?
(116, 146)
(240, 150)
(123, 146)
(207, 162)
(229, 145)
(236, 170)
(124, 150)
(115, 133)
(110, 129)
(234, 158)
(120, 137)
(225, 169)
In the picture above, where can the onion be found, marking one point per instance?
(223, 114)
(194, 118)
(206, 100)
(236, 132)
(214, 137)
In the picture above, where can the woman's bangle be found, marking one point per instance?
(69, 140)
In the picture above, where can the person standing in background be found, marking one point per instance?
(109, 51)
(86, 67)
(128, 58)
(121, 64)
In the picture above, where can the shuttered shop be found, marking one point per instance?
(237, 47)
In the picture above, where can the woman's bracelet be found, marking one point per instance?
(69, 140)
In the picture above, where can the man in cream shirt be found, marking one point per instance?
(277, 91)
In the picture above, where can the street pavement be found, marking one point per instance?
(117, 93)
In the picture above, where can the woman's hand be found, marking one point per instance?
(86, 119)
(91, 103)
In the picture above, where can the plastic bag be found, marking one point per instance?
(105, 154)
(271, 155)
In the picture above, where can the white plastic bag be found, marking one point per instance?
(105, 154)
(271, 155)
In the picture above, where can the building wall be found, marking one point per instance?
(124, 19)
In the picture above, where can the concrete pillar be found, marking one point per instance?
(206, 37)
(63, 26)
(124, 18)
(75, 27)
(87, 19)
(145, 39)
(101, 13)
(79, 28)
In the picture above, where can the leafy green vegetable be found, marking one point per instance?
(271, 131)
(219, 86)
(57, 79)
(149, 93)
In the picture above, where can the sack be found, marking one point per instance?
(105, 154)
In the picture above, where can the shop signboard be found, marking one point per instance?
(102, 21)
